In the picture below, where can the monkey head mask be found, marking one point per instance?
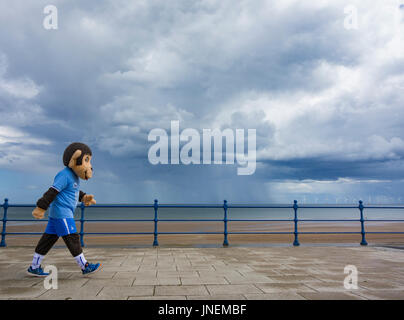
(77, 157)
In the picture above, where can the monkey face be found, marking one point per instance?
(83, 170)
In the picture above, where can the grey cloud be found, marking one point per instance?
(326, 102)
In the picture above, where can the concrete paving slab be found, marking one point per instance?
(248, 279)
(22, 283)
(124, 275)
(233, 288)
(21, 292)
(65, 283)
(123, 282)
(157, 281)
(330, 296)
(188, 290)
(123, 293)
(84, 293)
(275, 296)
(371, 285)
(284, 287)
(203, 280)
(382, 294)
(214, 273)
(294, 279)
(166, 273)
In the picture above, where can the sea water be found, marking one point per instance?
(342, 212)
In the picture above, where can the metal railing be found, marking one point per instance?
(225, 220)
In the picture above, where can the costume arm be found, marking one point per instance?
(47, 198)
(82, 194)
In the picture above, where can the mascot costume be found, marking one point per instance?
(61, 199)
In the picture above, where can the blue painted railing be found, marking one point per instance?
(225, 220)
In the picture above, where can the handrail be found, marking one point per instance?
(156, 206)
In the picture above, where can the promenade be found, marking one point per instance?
(306, 272)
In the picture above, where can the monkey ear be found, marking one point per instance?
(74, 158)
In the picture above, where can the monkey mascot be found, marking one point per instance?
(61, 199)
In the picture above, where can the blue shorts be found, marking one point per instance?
(61, 227)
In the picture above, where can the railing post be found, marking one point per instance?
(296, 242)
(3, 232)
(82, 206)
(225, 241)
(156, 205)
(363, 242)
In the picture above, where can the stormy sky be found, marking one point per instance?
(325, 96)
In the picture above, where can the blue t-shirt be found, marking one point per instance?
(67, 183)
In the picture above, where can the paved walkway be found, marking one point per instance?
(210, 273)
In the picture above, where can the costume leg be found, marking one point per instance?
(73, 244)
(46, 243)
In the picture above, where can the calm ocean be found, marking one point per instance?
(233, 213)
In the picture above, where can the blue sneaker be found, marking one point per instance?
(38, 272)
(91, 268)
